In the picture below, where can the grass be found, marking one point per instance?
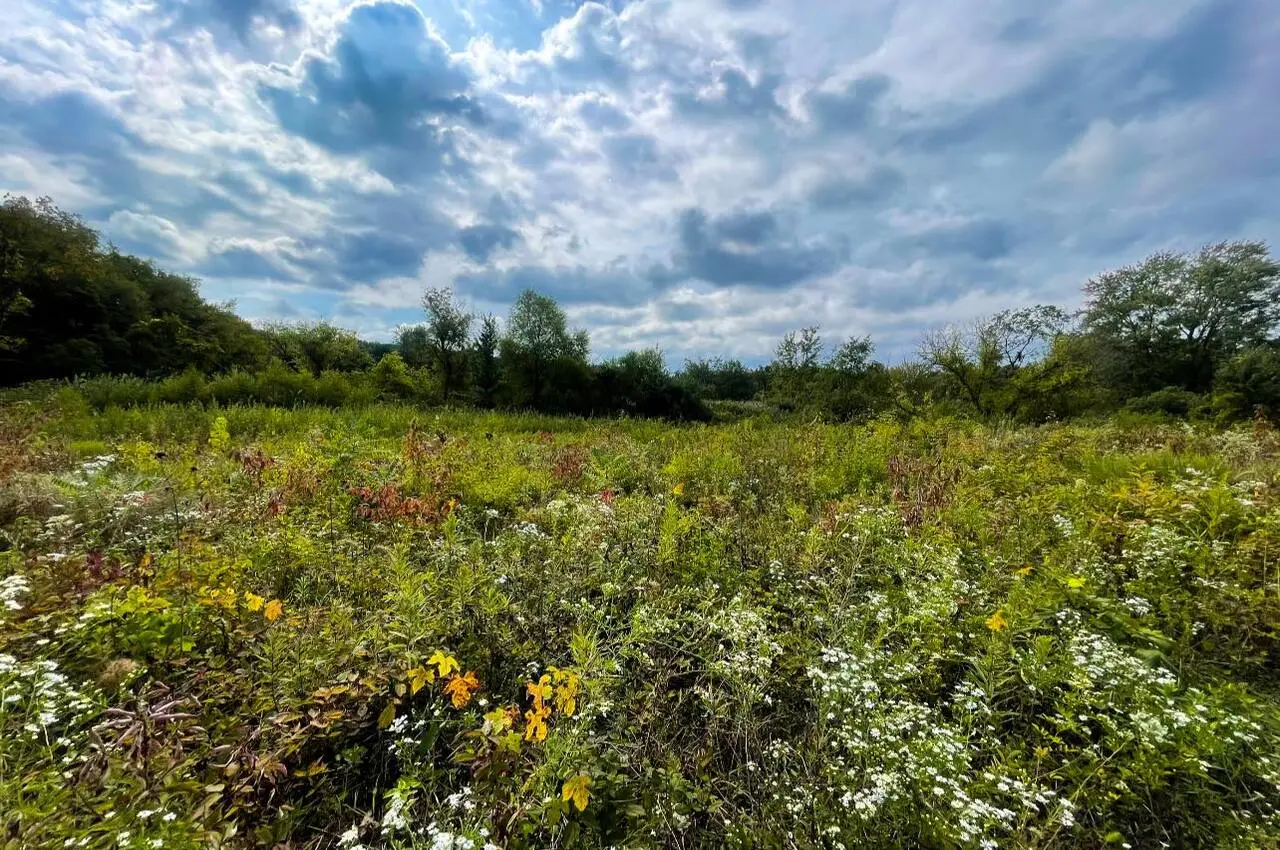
(388, 627)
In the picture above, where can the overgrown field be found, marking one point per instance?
(395, 628)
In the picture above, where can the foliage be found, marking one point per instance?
(317, 348)
(70, 306)
(1173, 319)
(383, 627)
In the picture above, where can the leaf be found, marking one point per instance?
(444, 664)
(274, 609)
(1075, 582)
(575, 789)
(253, 601)
(419, 677)
(388, 714)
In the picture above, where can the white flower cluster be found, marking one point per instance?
(746, 647)
(12, 587)
(35, 699)
(888, 751)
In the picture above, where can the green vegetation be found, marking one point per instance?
(1177, 335)
(247, 626)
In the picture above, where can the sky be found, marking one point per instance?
(697, 175)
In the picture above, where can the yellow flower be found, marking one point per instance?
(273, 610)
(536, 724)
(461, 688)
(445, 664)
(996, 622)
(540, 691)
(678, 490)
(576, 789)
(253, 601)
(419, 677)
(1075, 582)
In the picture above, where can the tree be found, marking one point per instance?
(794, 369)
(448, 334)
(538, 344)
(485, 365)
(720, 379)
(852, 384)
(413, 346)
(70, 306)
(984, 362)
(317, 348)
(1174, 318)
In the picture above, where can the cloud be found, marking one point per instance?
(747, 248)
(637, 156)
(481, 240)
(839, 192)
(700, 175)
(389, 88)
(240, 17)
(980, 239)
(734, 96)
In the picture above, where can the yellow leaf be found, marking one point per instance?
(575, 789)
(1075, 582)
(145, 563)
(253, 601)
(444, 664)
(419, 677)
(273, 610)
(536, 724)
(540, 691)
(388, 714)
(678, 490)
(996, 622)
(1025, 571)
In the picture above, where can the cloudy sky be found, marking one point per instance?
(695, 174)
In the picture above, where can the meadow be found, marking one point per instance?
(391, 627)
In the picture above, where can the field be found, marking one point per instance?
(388, 627)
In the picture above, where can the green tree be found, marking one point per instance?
(1172, 319)
(317, 347)
(793, 374)
(448, 335)
(995, 363)
(414, 345)
(486, 365)
(538, 347)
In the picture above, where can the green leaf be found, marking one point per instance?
(388, 714)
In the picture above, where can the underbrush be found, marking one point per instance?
(377, 627)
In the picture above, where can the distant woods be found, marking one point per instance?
(1179, 334)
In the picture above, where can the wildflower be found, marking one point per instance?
(273, 610)
(444, 664)
(996, 622)
(575, 789)
(460, 688)
(253, 601)
(536, 724)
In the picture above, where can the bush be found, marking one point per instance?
(1248, 382)
(1171, 401)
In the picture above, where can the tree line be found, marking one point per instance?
(1177, 334)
